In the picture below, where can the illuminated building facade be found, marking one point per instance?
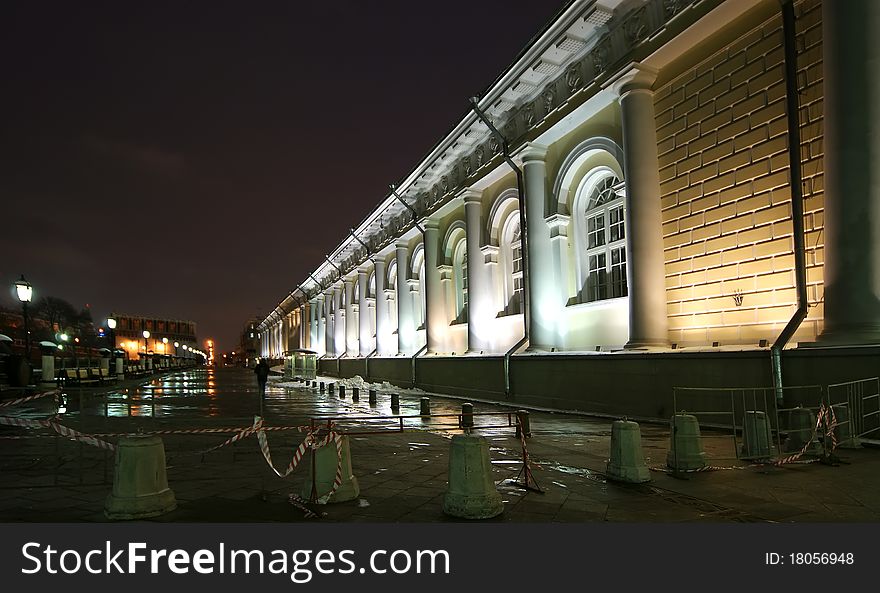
(653, 242)
(130, 334)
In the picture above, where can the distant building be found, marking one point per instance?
(130, 334)
(248, 348)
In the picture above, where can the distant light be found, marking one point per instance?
(164, 340)
(61, 346)
(146, 334)
(76, 340)
(111, 323)
(24, 289)
(176, 344)
(64, 337)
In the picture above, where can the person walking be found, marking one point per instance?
(262, 373)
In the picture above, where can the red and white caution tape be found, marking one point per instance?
(258, 425)
(298, 453)
(336, 438)
(29, 398)
(60, 429)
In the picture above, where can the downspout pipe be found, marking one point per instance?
(523, 237)
(367, 363)
(797, 205)
(427, 317)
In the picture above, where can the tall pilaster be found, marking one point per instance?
(480, 312)
(851, 57)
(435, 318)
(328, 323)
(338, 321)
(365, 335)
(405, 324)
(648, 325)
(315, 313)
(351, 328)
(383, 324)
(545, 304)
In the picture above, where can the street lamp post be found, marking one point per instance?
(111, 323)
(25, 292)
(146, 335)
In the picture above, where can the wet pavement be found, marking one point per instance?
(402, 475)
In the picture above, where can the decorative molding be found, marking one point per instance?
(490, 253)
(558, 224)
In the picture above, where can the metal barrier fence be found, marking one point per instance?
(750, 423)
(861, 401)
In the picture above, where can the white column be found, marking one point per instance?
(338, 320)
(351, 329)
(405, 325)
(479, 281)
(544, 301)
(365, 336)
(315, 331)
(435, 320)
(851, 56)
(644, 231)
(324, 322)
(383, 323)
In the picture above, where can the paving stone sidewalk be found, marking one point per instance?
(402, 475)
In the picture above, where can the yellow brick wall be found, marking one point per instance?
(722, 144)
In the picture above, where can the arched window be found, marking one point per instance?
(603, 245)
(511, 246)
(459, 270)
(371, 285)
(356, 293)
(392, 276)
(391, 287)
(418, 272)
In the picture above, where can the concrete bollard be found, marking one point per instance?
(757, 438)
(372, 396)
(321, 386)
(467, 415)
(523, 421)
(395, 400)
(801, 424)
(627, 463)
(120, 368)
(355, 394)
(325, 473)
(140, 484)
(342, 392)
(331, 388)
(685, 449)
(47, 366)
(846, 436)
(425, 406)
(471, 492)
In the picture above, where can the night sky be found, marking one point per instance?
(194, 160)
